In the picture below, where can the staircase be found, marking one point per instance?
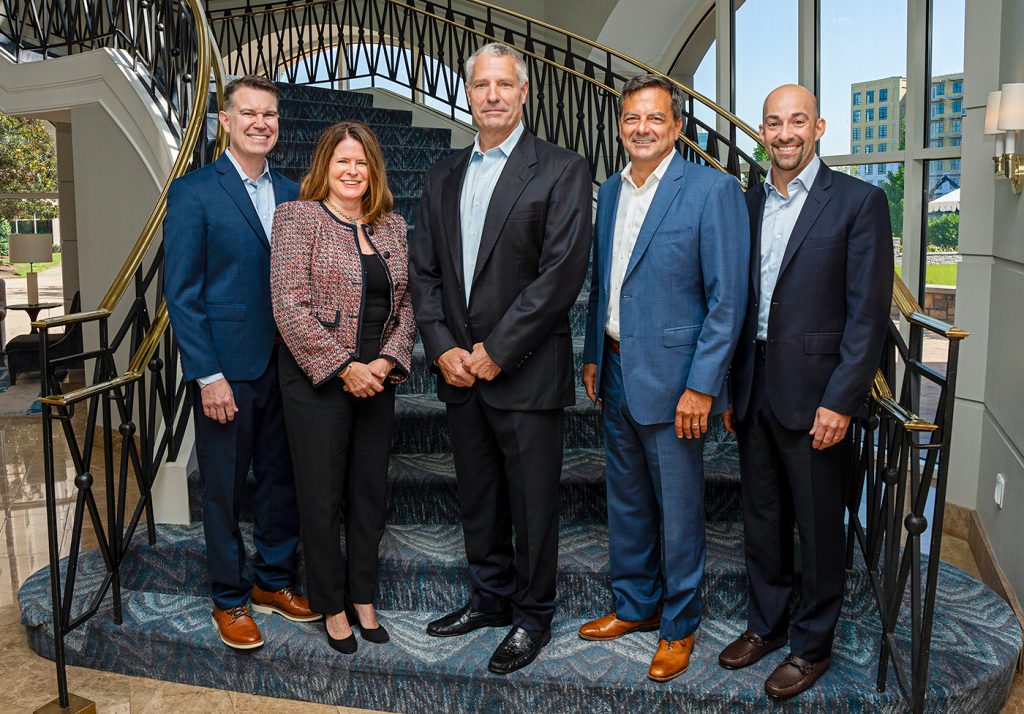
(166, 631)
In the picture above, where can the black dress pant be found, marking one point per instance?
(255, 436)
(507, 465)
(786, 480)
(340, 449)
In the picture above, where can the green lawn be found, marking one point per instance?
(21, 269)
(937, 274)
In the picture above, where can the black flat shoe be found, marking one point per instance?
(377, 635)
(346, 645)
(465, 620)
(517, 650)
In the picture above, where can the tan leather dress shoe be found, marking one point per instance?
(237, 628)
(747, 649)
(610, 627)
(793, 676)
(671, 659)
(285, 602)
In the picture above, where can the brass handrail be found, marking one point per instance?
(721, 111)
(913, 313)
(196, 125)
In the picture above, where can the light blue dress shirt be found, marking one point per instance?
(477, 186)
(261, 193)
(780, 215)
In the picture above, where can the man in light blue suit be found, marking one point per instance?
(667, 298)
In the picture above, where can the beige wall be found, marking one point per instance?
(989, 434)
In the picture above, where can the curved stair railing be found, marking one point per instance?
(575, 83)
(173, 54)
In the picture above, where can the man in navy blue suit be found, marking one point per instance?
(666, 303)
(217, 285)
(820, 287)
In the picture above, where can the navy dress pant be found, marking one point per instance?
(656, 541)
(785, 482)
(256, 436)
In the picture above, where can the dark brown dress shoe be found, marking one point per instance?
(671, 659)
(747, 649)
(793, 676)
(610, 627)
(285, 602)
(237, 628)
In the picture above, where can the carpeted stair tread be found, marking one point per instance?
(293, 110)
(422, 567)
(422, 488)
(308, 92)
(295, 131)
(170, 637)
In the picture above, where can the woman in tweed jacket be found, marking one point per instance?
(338, 275)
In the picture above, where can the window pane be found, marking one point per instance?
(849, 66)
(947, 63)
(754, 76)
(704, 82)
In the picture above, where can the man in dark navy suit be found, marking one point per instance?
(820, 285)
(217, 284)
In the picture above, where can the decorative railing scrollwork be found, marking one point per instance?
(422, 46)
(140, 422)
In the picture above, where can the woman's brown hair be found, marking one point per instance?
(314, 187)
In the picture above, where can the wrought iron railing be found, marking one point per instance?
(422, 46)
(139, 422)
(900, 458)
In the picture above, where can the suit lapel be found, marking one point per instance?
(607, 209)
(233, 186)
(756, 221)
(450, 194)
(517, 172)
(817, 197)
(670, 185)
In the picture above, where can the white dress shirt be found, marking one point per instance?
(634, 202)
(780, 214)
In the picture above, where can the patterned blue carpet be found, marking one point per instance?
(166, 631)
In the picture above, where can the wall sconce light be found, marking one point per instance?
(1011, 120)
(991, 119)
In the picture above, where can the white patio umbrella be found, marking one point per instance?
(945, 204)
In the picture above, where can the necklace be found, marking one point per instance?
(337, 209)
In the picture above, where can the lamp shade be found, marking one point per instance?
(31, 248)
(1011, 107)
(992, 114)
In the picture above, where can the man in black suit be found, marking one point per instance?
(820, 286)
(498, 257)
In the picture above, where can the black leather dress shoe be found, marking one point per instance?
(517, 650)
(466, 619)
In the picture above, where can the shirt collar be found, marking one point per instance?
(241, 172)
(805, 178)
(657, 174)
(504, 147)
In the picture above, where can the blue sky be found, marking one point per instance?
(860, 41)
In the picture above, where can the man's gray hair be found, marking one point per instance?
(643, 81)
(498, 49)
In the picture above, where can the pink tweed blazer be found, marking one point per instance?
(316, 284)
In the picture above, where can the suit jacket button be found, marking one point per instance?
(386, 254)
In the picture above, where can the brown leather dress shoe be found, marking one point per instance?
(610, 627)
(237, 628)
(747, 649)
(671, 659)
(793, 676)
(285, 602)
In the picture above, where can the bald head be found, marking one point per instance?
(793, 96)
(790, 128)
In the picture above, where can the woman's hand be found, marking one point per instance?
(360, 380)
(381, 368)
